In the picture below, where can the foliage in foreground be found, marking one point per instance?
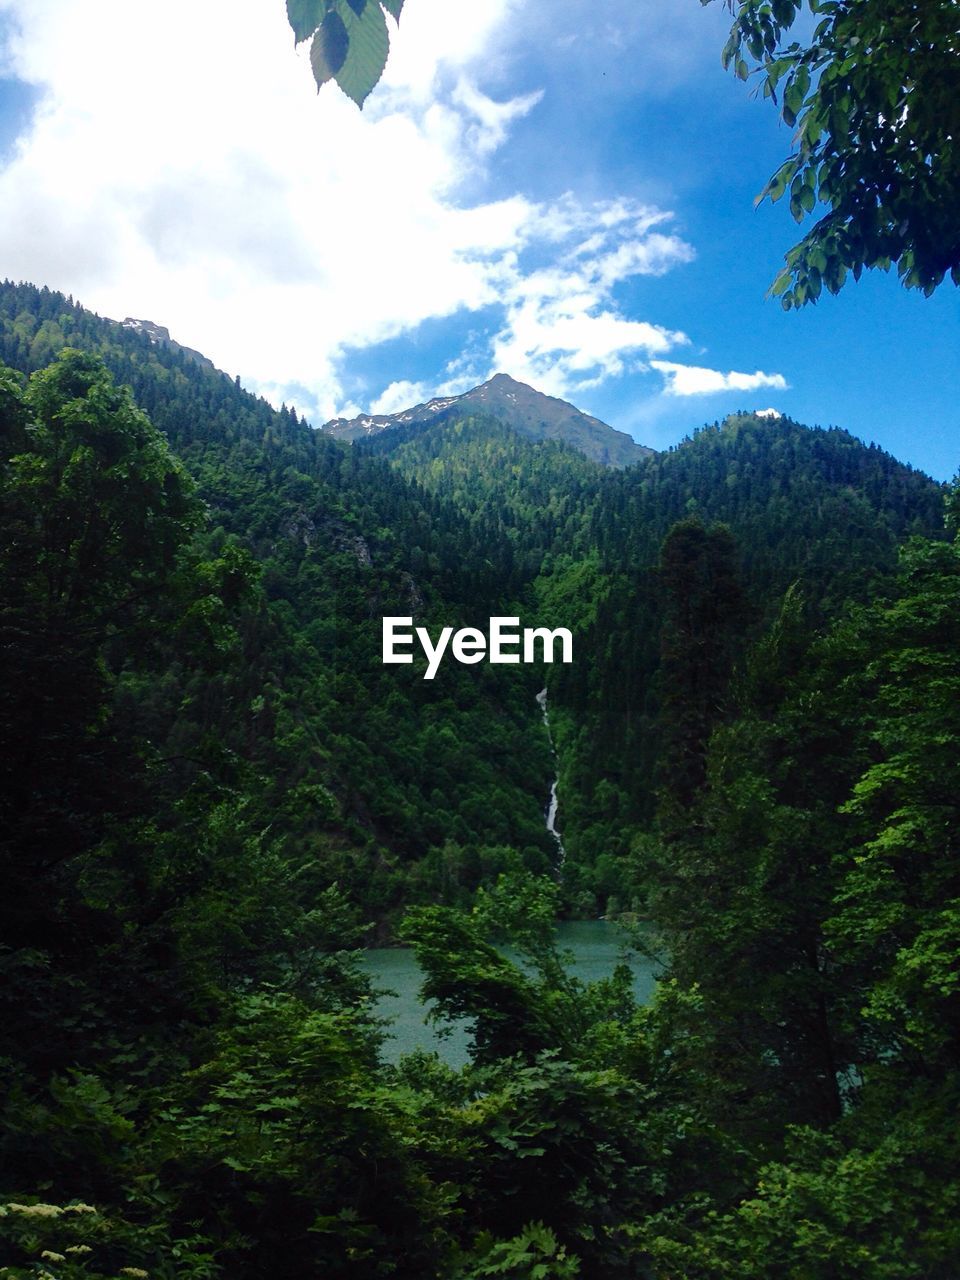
(349, 40)
(874, 96)
(193, 1084)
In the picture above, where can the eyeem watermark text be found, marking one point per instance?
(506, 643)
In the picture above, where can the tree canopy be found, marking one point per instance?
(874, 96)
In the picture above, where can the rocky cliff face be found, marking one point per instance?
(159, 335)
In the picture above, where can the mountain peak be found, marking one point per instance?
(155, 332)
(529, 412)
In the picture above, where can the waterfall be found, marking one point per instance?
(550, 812)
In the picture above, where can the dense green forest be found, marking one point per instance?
(358, 767)
(812, 510)
(214, 794)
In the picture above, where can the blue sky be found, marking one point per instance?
(561, 191)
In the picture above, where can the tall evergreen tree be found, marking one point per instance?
(705, 614)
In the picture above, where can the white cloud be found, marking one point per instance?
(400, 395)
(563, 330)
(436, 36)
(767, 413)
(689, 380)
(182, 168)
(489, 121)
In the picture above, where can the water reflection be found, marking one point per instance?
(596, 948)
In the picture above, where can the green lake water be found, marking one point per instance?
(595, 947)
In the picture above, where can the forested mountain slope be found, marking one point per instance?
(209, 783)
(363, 767)
(455, 518)
(535, 494)
(813, 508)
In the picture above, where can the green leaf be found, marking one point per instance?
(393, 7)
(783, 12)
(775, 187)
(369, 45)
(305, 16)
(329, 49)
(802, 81)
(233, 1162)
